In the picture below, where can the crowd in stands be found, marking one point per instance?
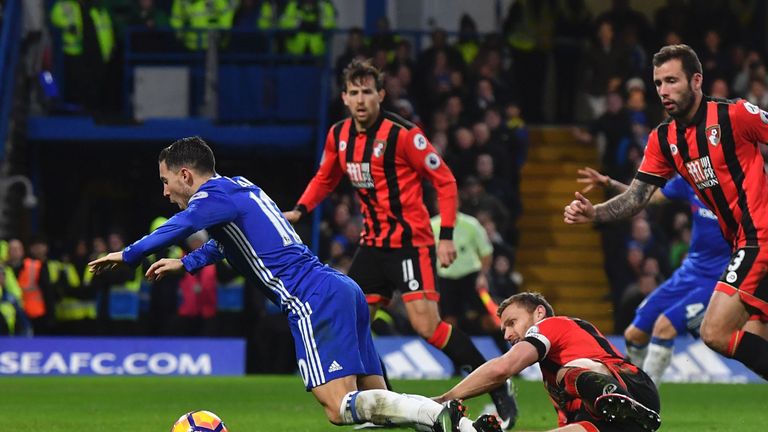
(474, 95)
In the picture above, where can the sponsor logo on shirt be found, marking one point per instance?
(702, 173)
(360, 175)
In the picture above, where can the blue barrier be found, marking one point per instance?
(121, 356)
(272, 138)
(412, 358)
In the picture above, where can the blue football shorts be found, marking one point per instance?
(683, 299)
(332, 333)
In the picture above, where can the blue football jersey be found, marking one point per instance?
(709, 252)
(248, 229)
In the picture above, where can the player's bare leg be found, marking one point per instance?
(725, 330)
(660, 349)
(637, 344)
(724, 316)
(425, 320)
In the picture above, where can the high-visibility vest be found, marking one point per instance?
(29, 282)
(72, 308)
(68, 16)
(7, 310)
(199, 15)
(324, 17)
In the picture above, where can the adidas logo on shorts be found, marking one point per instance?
(334, 367)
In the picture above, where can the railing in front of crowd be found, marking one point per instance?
(10, 41)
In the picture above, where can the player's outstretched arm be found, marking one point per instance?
(631, 201)
(107, 262)
(162, 267)
(493, 373)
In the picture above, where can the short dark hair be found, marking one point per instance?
(190, 152)
(529, 301)
(358, 69)
(682, 52)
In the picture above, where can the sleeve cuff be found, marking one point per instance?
(446, 233)
(189, 264)
(301, 208)
(651, 179)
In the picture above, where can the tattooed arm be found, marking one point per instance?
(621, 206)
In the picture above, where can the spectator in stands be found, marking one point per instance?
(48, 281)
(153, 20)
(674, 16)
(7, 308)
(714, 59)
(462, 155)
(309, 19)
(88, 42)
(26, 274)
(251, 20)
(76, 308)
(383, 37)
(573, 22)
(354, 48)
(625, 19)
(757, 93)
(160, 308)
(474, 200)
(605, 67)
(633, 295)
(719, 89)
(614, 130)
(148, 15)
(197, 296)
(485, 169)
(752, 67)
(468, 43)
(529, 26)
(195, 18)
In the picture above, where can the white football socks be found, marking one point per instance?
(636, 354)
(383, 407)
(658, 360)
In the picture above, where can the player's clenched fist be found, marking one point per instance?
(580, 210)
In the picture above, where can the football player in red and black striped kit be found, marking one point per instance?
(592, 386)
(386, 158)
(714, 145)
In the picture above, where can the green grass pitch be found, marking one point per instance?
(279, 403)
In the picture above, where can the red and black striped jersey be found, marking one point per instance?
(560, 340)
(718, 154)
(386, 164)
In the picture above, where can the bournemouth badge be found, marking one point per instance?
(713, 134)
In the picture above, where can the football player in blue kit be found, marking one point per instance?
(326, 310)
(677, 306)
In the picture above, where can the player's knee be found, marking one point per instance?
(424, 327)
(714, 336)
(664, 329)
(635, 335)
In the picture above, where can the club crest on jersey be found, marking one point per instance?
(378, 147)
(702, 173)
(713, 134)
(360, 175)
